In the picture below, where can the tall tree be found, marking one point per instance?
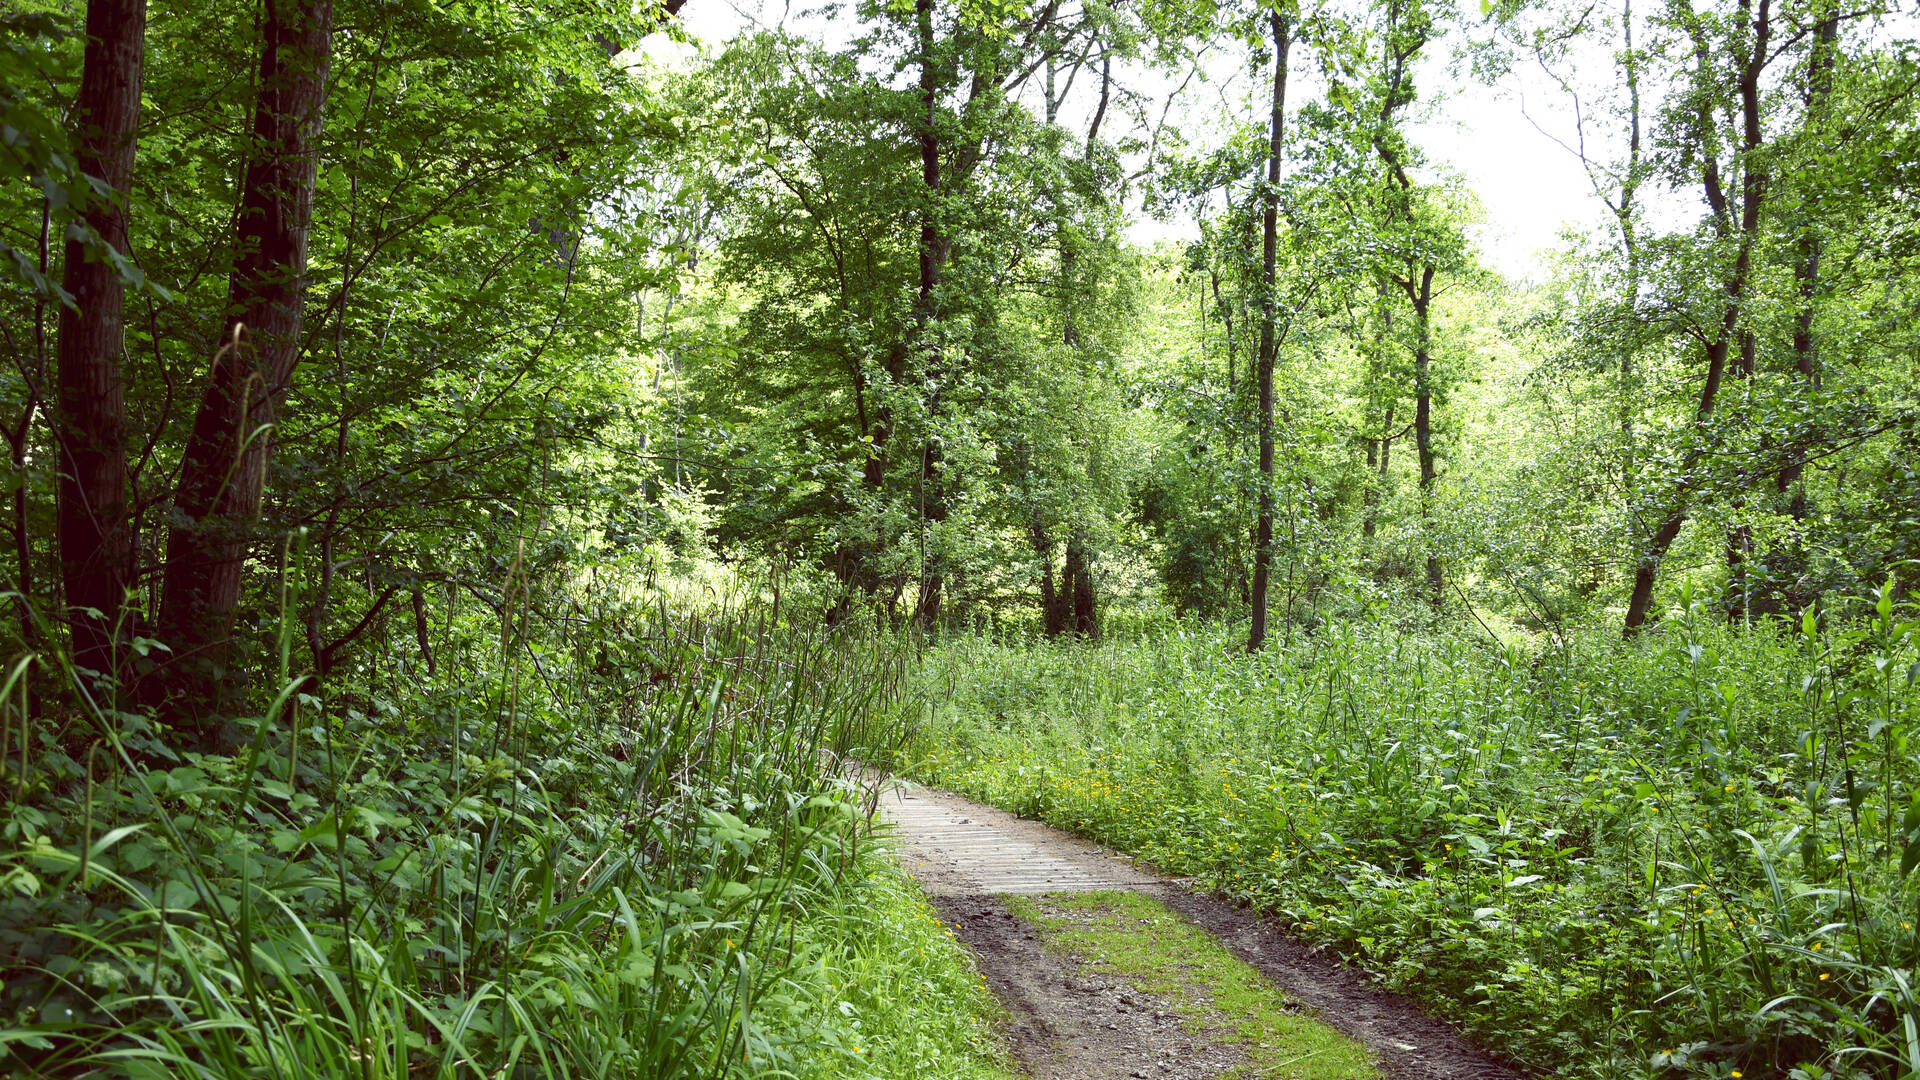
(1424, 243)
(936, 246)
(1074, 605)
(1420, 297)
(1735, 220)
(1808, 242)
(96, 539)
(1281, 31)
(223, 472)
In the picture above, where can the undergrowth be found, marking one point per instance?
(897, 995)
(1685, 856)
(617, 843)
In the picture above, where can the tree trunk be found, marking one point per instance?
(1269, 337)
(1423, 428)
(1640, 602)
(1398, 94)
(223, 473)
(1647, 572)
(1075, 605)
(1806, 270)
(1050, 611)
(96, 540)
(1083, 611)
(934, 250)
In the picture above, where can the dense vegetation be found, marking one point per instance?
(483, 477)
(618, 846)
(1687, 858)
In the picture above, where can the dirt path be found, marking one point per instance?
(1076, 1017)
(955, 847)
(1067, 1022)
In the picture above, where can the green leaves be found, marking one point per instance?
(378, 894)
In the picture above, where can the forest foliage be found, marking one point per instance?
(479, 474)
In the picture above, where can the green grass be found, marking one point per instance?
(617, 844)
(1683, 857)
(1135, 937)
(896, 995)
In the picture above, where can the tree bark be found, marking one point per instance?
(223, 473)
(1423, 427)
(1269, 336)
(1050, 611)
(1082, 610)
(934, 251)
(94, 526)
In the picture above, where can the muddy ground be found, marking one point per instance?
(1068, 1023)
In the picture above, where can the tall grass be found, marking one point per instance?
(593, 844)
(1689, 856)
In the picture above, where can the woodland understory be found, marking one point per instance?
(488, 480)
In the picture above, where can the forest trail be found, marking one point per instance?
(1064, 932)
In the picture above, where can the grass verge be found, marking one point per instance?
(1135, 937)
(896, 996)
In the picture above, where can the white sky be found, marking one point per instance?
(1530, 186)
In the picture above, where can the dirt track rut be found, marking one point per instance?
(1064, 1027)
